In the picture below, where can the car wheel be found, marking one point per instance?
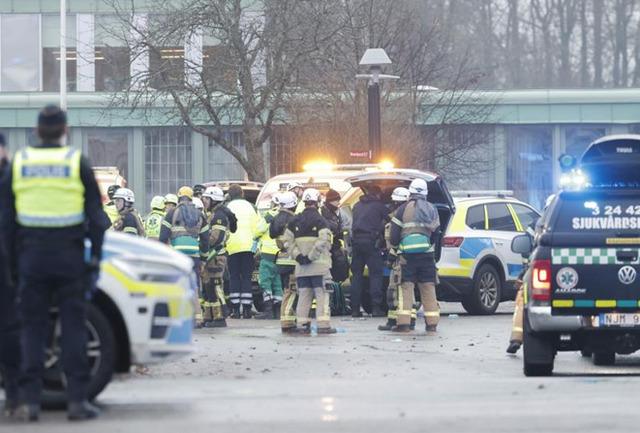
(604, 358)
(101, 352)
(486, 294)
(538, 353)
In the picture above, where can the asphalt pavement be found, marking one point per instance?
(251, 378)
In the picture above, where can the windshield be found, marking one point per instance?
(322, 182)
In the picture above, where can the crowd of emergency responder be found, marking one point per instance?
(300, 244)
(52, 203)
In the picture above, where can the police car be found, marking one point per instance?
(141, 313)
(581, 291)
(477, 266)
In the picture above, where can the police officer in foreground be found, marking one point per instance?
(413, 229)
(308, 237)
(222, 223)
(129, 221)
(367, 242)
(51, 203)
(9, 326)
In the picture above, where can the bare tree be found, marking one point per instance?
(262, 44)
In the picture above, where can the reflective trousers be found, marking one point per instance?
(310, 288)
(212, 288)
(270, 281)
(518, 312)
(287, 312)
(240, 273)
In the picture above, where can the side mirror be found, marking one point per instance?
(522, 244)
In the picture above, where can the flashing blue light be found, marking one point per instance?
(567, 162)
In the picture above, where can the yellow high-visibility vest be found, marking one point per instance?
(47, 187)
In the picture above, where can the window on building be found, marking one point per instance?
(20, 52)
(51, 53)
(222, 165)
(218, 69)
(108, 147)
(112, 56)
(530, 163)
(526, 215)
(500, 218)
(167, 160)
(578, 138)
(166, 58)
(475, 217)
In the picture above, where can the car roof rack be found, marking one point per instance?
(482, 193)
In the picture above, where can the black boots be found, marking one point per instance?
(387, 326)
(401, 328)
(431, 328)
(235, 311)
(514, 346)
(246, 311)
(216, 323)
(267, 313)
(276, 310)
(81, 411)
(328, 330)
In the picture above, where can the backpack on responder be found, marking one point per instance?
(338, 301)
(185, 229)
(416, 232)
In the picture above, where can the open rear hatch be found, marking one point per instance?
(595, 252)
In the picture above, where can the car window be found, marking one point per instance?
(526, 215)
(475, 217)
(500, 218)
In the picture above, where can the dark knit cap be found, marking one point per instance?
(52, 115)
(332, 195)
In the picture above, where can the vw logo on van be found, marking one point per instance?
(627, 275)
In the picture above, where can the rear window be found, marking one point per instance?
(475, 217)
(500, 218)
(603, 212)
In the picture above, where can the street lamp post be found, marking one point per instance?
(375, 58)
(63, 54)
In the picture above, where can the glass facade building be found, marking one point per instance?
(526, 133)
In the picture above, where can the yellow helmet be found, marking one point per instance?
(185, 191)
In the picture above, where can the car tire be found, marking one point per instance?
(604, 358)
(102, 349)
(485, 297)
(538, 353)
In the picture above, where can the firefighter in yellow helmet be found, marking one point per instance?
(129, 221)
(185, 229)
(153, 222)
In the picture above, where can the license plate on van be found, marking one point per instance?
(619, 319)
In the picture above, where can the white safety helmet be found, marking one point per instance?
(197, 203)
(288, 200)
(171, 198)
(275, 199)
(126, 194)
(400, 194)
(311, 194)
(214, 193)
(293, 185)
(419, 186)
